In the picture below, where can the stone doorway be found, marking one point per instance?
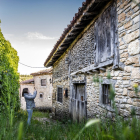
(78, 103)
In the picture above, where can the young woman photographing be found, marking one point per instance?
(30, 104)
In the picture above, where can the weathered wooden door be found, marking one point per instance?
(79, 103)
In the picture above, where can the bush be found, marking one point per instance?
(9, 77)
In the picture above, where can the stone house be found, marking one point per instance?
(104, 36)
(42, 81)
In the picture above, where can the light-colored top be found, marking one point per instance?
(29, 98)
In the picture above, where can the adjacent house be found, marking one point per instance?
(104, 36)
(42, 81)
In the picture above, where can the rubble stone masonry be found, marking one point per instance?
(82, 59)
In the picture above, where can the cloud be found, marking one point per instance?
(8, 36)
(38, 36)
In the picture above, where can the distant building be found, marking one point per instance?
(42, 81)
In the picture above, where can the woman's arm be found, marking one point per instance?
(31, 96)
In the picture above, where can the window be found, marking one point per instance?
(43, 82)
(59, 94)
(106, 91)
(41, 95)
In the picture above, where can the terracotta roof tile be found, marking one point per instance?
(42, 72)
(27, 81)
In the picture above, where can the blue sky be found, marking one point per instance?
(34, 26)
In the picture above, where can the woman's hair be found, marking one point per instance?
(25, 90)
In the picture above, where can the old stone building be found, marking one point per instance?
(42, 81)
(104, 36)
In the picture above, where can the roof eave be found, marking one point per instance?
(75, 29)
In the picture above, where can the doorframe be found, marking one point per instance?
(73, 90)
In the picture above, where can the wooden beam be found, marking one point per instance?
(87, 18)
(97, 1)
(68, 38)
(79, 23)
(60, 51)
(66, 43)
(63, 47)
(76, 28)
(94, 71)
(74, 33)
(90, 13)
(88, 72)
(102, 69)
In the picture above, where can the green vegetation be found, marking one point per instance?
(25, 77)
(41, 114)
(9, 76)
(101, 129)
(94, 130)
(9, 86)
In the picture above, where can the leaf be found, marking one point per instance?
(20, 131)
(92, 122)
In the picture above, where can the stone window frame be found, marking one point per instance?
(44, 84)
(108, 82)
(57, 94)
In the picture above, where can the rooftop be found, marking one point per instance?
(89, 10)
(30, 81)
(42, 72)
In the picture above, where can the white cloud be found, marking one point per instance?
(38, 36)
(8, 36)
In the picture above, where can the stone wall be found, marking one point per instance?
(129, 50)
(61, 69)
(123, 77)
(60, 78)
(82, 53)
(46, 91)
(41, 103)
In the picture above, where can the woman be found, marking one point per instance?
(30, 104)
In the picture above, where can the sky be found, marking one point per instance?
(34, 26)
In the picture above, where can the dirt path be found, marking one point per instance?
(44, 120)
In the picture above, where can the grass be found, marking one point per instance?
(40, 114)
(13, 126)
(103, 130)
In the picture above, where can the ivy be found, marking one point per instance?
(9, 77)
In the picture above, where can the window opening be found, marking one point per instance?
(43, 82)
(59, 94)
(82, 98)
(41, 95)
(106, 93)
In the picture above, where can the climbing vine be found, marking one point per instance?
(9, 77)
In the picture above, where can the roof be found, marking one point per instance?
(30, 81)
(42, 72)
(89, 10)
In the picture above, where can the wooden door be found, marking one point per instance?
(79, 103)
